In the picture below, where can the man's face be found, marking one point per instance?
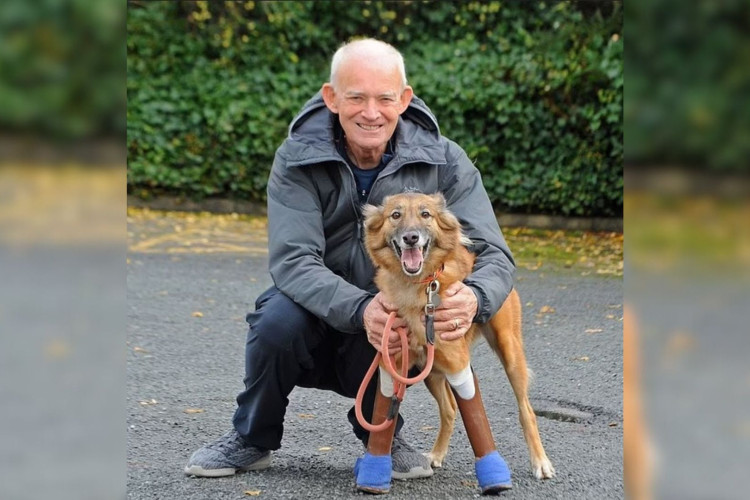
(368, 101)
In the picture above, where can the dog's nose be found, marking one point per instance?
(411, 238)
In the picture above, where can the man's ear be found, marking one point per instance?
(329, 97)
(406, 96)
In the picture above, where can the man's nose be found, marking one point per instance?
(371, 111)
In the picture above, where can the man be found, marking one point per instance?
(363, 137)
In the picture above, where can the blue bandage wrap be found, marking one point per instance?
(493, 473)
(373, 473)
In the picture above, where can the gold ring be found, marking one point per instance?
(456, 323)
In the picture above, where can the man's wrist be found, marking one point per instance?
(480, 301)
(360, 314)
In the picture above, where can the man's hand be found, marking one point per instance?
(456, 312)
(375, 315)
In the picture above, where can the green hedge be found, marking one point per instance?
(688, 79)
(532, 91)
(62, 67)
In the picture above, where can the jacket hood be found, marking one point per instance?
(310, 133)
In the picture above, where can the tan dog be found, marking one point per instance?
(411, 237)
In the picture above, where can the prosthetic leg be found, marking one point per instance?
(373, 471)
(492, 472)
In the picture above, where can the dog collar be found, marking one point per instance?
(433, 277)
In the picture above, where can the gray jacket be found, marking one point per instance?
(315, 235)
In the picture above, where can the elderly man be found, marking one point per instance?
(363, 137)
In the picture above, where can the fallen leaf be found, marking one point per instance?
(679, 343)
(324, 448)
(582, 358)
(252, 493)
(148, 402)
(139, 349)
(57, 348)
(546, 310)
(613, 424)
(428, 427)
(610, 316)
(192, 410)
(197, 314)
(594, 330)
(306, 415)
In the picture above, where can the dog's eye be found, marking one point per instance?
(396, 215)
(425, 214)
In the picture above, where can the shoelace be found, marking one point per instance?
(226, 440)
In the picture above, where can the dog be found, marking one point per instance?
(409, 237)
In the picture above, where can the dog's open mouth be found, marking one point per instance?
(411, 258)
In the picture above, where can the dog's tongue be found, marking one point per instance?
(411, 258)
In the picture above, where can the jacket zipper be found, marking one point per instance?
(360, 222)
(358, 213)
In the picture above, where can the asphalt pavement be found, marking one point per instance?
(185, 343)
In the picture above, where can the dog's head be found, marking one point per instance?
(412, 232)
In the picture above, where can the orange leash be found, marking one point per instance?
(400, 381)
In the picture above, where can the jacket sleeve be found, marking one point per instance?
(492, 277)
(296, 249)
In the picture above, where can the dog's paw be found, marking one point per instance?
(543, 469)
(435, 460)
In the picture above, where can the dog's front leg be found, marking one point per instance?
(374, 469)
(492, 472)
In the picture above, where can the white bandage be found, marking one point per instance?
(462, 382)
(386, 383)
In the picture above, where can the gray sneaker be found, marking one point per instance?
(408, 463)
(225, 456)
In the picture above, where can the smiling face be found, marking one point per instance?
(368, 96)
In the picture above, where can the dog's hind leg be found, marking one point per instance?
(503, 333)
(438, 387)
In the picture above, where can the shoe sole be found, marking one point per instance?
(496, 489)
(372, 490)
(198, 471)
(415, 473)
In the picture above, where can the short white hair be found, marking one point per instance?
(374, 50)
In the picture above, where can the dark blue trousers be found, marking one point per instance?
(289, 347)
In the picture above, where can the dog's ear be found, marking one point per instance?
(439, 200)
(373, 217)
(445, 219)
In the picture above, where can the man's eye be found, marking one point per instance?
(396, 215)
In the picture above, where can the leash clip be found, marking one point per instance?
(433, 301)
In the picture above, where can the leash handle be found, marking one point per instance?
(404, 355)
(399, 381)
